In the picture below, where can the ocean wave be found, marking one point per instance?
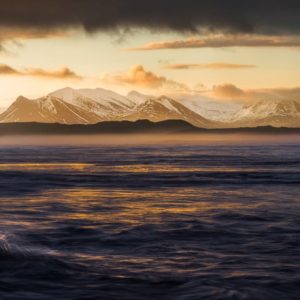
(13, 247)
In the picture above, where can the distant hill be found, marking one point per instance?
(118, 127)
(127, 127)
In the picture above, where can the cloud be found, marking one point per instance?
(10, 38)
(138, 76)
(256, 16)
(64, 73)
(212, 66)
(255, 23)
(229, 92)
(9, 33)
(15, 35)
(7, 70)
(232, 93)
(223, 41)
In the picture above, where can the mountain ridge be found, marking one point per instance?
(91, 106)
(276, 113)
(144, 127)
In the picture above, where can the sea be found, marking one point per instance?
(210, 219)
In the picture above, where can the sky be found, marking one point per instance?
(232, 50)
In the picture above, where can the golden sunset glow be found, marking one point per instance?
(149, 149)
(34, 62)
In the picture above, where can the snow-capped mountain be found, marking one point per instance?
(104, 103)
(276, 113)
(70, 106)
(84, 106)
(47, 110)
(90, 106)
(138, 98)
(164, 108)
(209, 108)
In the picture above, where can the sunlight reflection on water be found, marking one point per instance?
(159, 222)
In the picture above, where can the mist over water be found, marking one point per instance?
(151, 139)
(207, 218)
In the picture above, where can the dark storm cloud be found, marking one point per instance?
(256, 16)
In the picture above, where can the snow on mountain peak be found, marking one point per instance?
(66, 94)
(137, 97)
(267, 108)
(101, 101)
(207, 107)
(87, 106)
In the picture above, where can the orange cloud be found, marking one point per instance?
(230, 92)
(64, 73)
(212, 66)
(7, 70)
(8, 35)
(220, 41)
(138, 76)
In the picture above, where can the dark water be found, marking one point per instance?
(194, 222)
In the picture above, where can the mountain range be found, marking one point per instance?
(91, 106)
